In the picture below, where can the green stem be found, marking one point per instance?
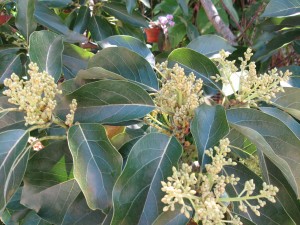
(158, 122)
(59, 122)
(10, 110)
(179, 98)
(238, 199)
(240, 149)
(166, 119)
(42, 126)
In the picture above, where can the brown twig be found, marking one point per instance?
(236, 23)
(217, 21)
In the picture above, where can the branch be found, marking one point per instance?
(215, 19)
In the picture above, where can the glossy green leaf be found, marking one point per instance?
(110, 102)
(48, 18)
(82, 19)
(100, 28)
(288, 101)
(10, 62)
(10, 120)
(97, 164)
(137, 193)
(74, 59)
(13, 162)
(51, 203)
(127, 29)
(131, 43)
(184, 6)
(130, 5)
(46, 51)
(210, 45)
(271, 213)
(280, 40)
(286, 196)
(56, 3)
(119, 11)
(231, 9)
(175, 35)
(15, 213)
(126, 63)
(208, 126)
(282, 8)
(25, 21)
(171, 217)
(80, 213)
(284, 117)
(47, 169)
(273, 138)
(197, 63)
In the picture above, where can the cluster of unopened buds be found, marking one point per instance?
(205, 193)
(252, 87)
(164, 22)
(35, 96)
(179, 96)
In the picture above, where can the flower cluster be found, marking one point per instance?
(36, 96)
(252, 87)
(205, 192)
(164, 22)
(179, 96)
(70, 116)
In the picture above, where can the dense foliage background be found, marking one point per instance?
(107, 168)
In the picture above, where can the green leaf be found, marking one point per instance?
(137, 193)
(97, 164)
(51, 203)
(87, 76)
(176, 34)
(208, 126)
(100, 28)
(126, 63)
(272, 213)
(109, 101)
(25, 20)
(130, 5)
(80, 213)
(48, 18)
(273, 138)
(184, 6)
(231, 9)
(46, 51)
(10, 120)
(10, 62)
(74, 59)
(56, 3)
(280, 40)
(199, 64)
(171, 217)
(131, 43)
(13, 162)
(47, 169)
(210, 45)
(284, 117)
(288, 101)
(282, 8)
(15, 213)
(82, 19)
(286, 196)
(119, 11)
